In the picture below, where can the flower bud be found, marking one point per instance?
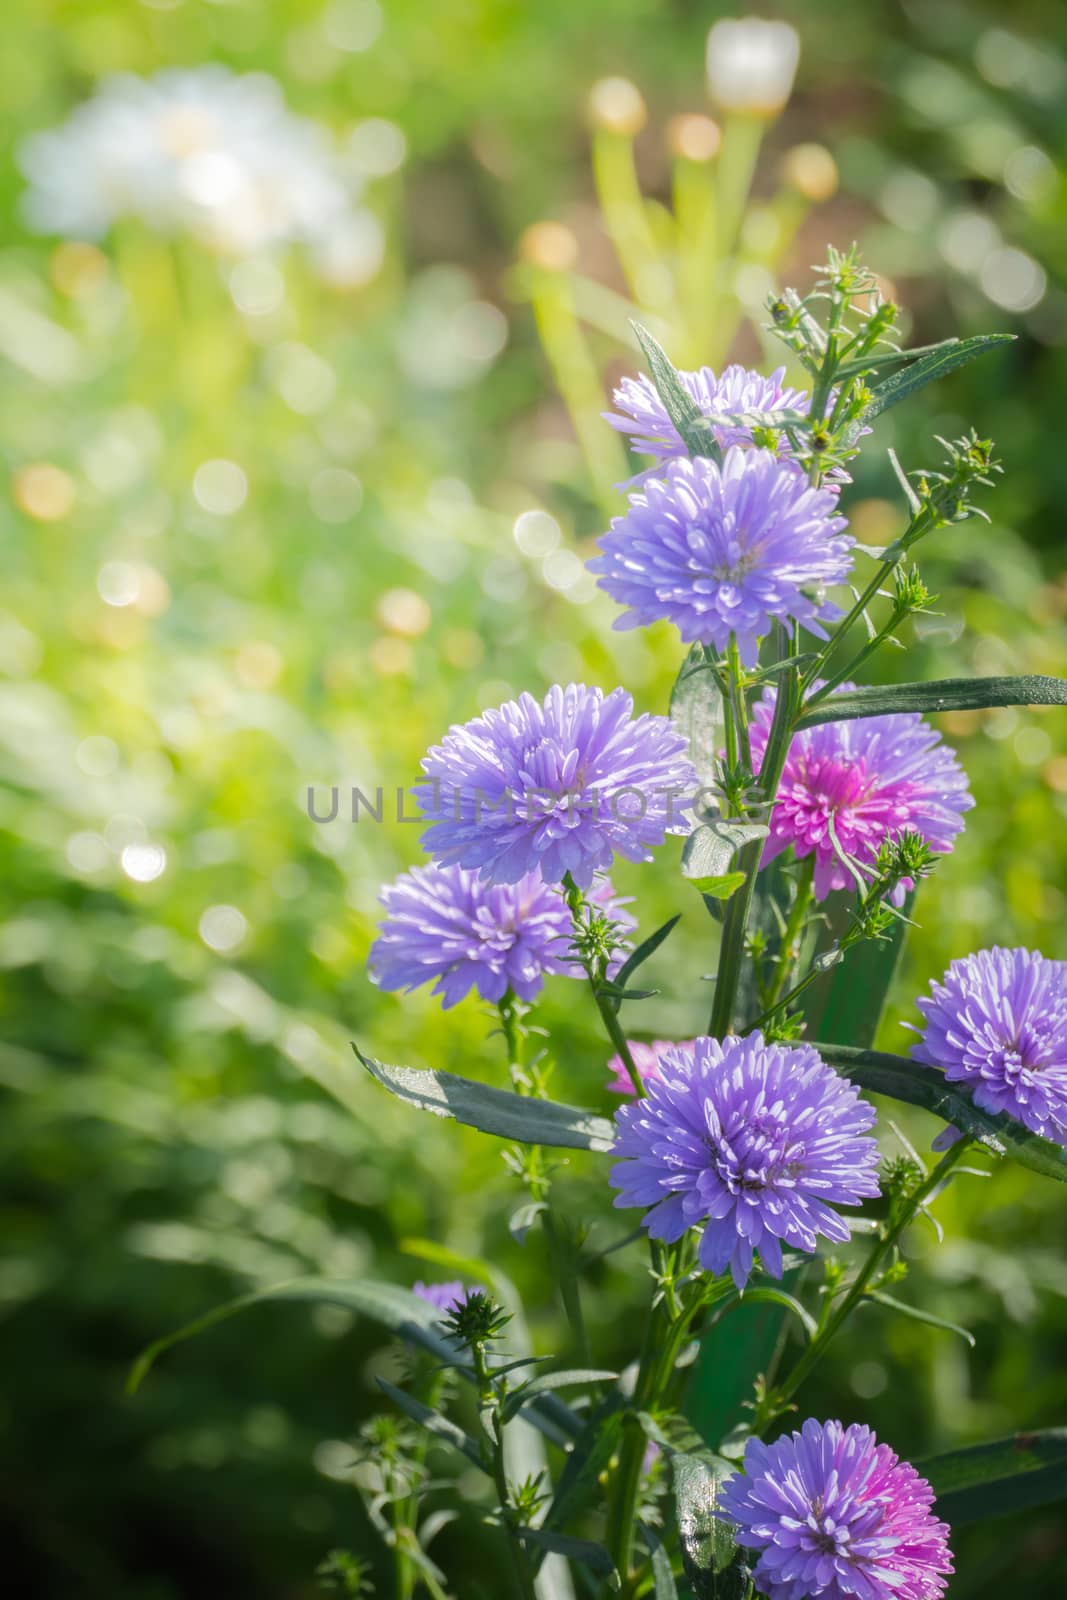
(751, 65)
(617, 105)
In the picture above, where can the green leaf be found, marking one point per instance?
(845, 1005)
(919, 1085)
(696, 711)
(593, 1556)
(713, 1563)
(433, 1422)
(397, 1309)
(709, 851)
(720, 888)
(939, 363)
(552, 1380)
(891, 358)
(664, 1586)
(917, 1314)
(693, 429)
(945, 694)
(647, 948)
(764, 1294)
(1019, 1473)
(579, 1482)
(522, 1118)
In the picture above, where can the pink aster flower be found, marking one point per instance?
(646, 1058)
(837, 1516)
(870, 778)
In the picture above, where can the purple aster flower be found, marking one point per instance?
(998, 1023)
(448, 925)
(752, 1140)
(736, 391)
(871, 777)
(646, 1058)
(837, 1516)
(554, 788)
(722, 550)
(443, 1296)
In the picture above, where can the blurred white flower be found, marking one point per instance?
(751, 65)
(203, 151)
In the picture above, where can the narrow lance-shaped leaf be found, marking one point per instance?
(917, 1314)
(713, 1563)
(938, 364)
(522, 1118)
(1019, 1473)
(920, 1085)
(647, 948)
(693, 430)
(944, 694)
(545, 1381)
(593, 1556)
(397, 1309)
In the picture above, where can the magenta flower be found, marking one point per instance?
(737, 392)
(869, 778)
(562, 786)
(726, 550)
(646, 1058)
(753, 1141)
(448, 926)
(837, 1516)
(998, 1023)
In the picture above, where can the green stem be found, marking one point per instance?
(490, 1408)
(735, 918)
(793, 938)
(817, 1348)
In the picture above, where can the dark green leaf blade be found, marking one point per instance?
(507, 1116)
(664, 1586)
(547, 1381)
(646, 948)
(919, 1085)
(397, 1309)
(593, 1556)
(433, 1421)
(1019, 1473)
(945, 694)
(713, 1563)
(938, 364)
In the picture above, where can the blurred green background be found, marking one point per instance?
(184, 651)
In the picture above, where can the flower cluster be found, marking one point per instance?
(753, 1141)
(998, 1023)
(448, 926)
(848, 786)
(556, 787)
(835, 1515)
(198, 150)
(726, 550)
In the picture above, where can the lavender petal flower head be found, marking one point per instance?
(737, 390)
(646, 1058)
(722, 550)
(750, 1139)
(870, 778)
(998, 1022)
(558, 787)
(443, 1296)
(837, 1516)
(447, 925)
